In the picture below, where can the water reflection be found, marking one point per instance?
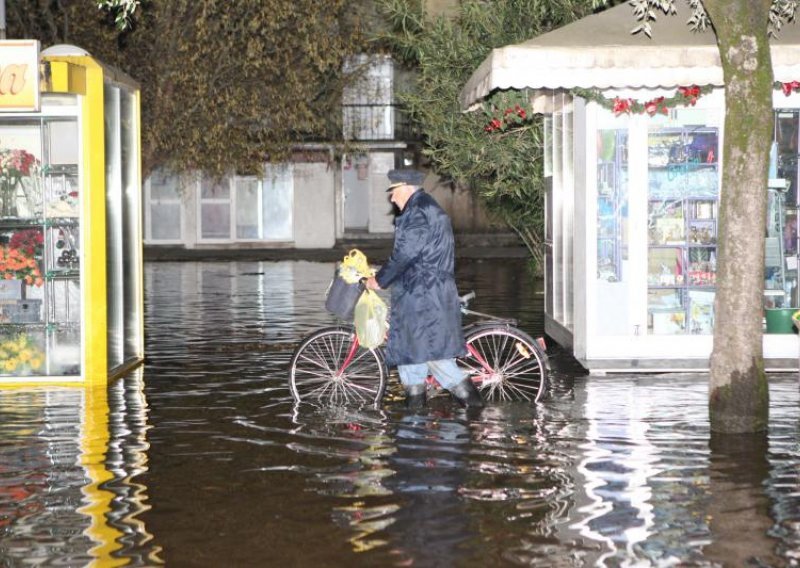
(738, 506)
(202, 459)
(62, 500)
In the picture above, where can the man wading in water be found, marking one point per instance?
(425, 334)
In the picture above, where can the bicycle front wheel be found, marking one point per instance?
(505, 364)
(329, 367)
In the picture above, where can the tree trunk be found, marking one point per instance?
(738, 396)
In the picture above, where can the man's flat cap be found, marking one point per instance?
(405, 176)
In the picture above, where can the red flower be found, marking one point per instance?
(652, 107)
(493, 125)
(789, 87)
(691, 93)
(622, 105)
(29, 241)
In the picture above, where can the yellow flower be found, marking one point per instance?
(10, 364)
(24, 355)
(35, 363)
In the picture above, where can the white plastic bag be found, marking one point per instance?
(370, 320)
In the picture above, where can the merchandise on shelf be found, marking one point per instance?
(682, 229)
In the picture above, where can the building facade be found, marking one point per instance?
(319, 196)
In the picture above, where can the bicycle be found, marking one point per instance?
(504, 362)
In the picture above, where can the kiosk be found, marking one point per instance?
(633, 131)
(71, 301)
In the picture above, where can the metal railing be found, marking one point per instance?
(376, 122)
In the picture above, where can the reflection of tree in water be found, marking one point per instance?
(739, 507)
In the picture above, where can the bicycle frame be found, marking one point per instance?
(486, 320)
(350, 355)
(355, 345)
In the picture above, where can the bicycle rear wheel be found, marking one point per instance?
(329, 367)
(505, 364)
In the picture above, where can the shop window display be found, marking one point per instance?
(612, 203)
(683, 192)
(780, 271)
(39, 249)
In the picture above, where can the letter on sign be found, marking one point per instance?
(19, 75)
(12, 79)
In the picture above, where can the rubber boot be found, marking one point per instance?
(416, 396)
(467, 394)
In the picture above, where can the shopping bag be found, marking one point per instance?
(370, 319)
(345, 288)
(342, 296)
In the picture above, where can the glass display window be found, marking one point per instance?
(781, 254)
(40, 253)
(612, 203)
(614, 278)
(683, 189)
(666, 311)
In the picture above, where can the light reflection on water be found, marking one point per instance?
(203, 460)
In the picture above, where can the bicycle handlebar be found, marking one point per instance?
(466, 298)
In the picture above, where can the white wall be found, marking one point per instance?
(380, 210)
(314, 206)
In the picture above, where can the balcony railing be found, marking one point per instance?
(377, 122)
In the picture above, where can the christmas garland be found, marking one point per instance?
(684, 96)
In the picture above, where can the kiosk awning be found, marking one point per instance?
(599, 51)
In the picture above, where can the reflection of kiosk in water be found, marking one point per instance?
(70, 229)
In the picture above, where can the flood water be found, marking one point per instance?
(201, 458)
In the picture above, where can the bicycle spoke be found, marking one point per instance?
(319, 364)
(515, 371)
(317, 373)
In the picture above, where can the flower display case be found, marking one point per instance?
(70, 229)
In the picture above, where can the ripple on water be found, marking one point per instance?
(202, 459)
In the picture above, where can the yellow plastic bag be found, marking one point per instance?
(370, 319)
(354, 267)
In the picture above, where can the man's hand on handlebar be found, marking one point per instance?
(372, 284)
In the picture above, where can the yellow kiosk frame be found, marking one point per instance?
(105, 105)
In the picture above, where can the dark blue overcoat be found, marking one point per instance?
(425, 321)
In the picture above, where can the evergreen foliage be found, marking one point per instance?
(500, 161)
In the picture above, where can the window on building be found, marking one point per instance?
(248, 208)
(368, 112)
(165, 212)
(264, 206)
(215, 209)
